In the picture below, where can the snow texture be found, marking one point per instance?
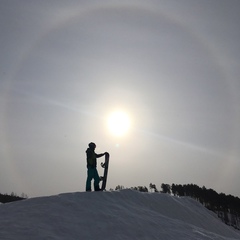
(113, 215)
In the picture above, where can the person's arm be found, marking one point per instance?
(100, 155)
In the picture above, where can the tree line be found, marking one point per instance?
(227, 207)
(5, 198)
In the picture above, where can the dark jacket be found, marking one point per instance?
(92, 158)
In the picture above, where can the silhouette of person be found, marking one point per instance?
(92, 172)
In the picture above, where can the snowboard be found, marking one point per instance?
(105, 173)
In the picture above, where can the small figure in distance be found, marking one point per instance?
(92, 172)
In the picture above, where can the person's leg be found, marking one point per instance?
(90, 175)
(96, 180)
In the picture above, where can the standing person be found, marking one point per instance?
(92, 172)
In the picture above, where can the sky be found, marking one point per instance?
(171, 66)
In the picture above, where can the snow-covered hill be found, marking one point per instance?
(124, 215)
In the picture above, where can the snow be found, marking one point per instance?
(124, 214)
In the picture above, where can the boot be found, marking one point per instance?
(96, 188)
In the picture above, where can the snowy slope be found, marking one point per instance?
(111, 215)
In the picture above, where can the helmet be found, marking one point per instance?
(92, 145)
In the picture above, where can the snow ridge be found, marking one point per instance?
(124, 214)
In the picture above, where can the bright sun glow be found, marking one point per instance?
(118, 123)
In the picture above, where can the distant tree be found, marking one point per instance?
(23, 195)
(180, 190)
(174, 189)
(165, 188)
(140, 188)
(5, 198)
(153, 187)
(119, 187)
(226, 218)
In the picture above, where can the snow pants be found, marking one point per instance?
(92, 173)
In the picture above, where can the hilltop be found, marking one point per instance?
(125, 214)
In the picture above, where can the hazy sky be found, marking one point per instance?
(172, 66)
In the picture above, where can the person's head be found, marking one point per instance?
(92, 145)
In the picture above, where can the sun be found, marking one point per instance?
(118, 123)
